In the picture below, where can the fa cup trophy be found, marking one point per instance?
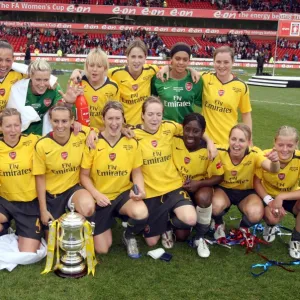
(73, 234)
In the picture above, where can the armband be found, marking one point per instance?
(267, 199)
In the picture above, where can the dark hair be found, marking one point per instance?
(114, 105)
(61, 106)
(8, 112)
(195, 117)
(180, 47)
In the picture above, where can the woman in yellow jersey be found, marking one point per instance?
(134, 80)
(223, 95)
(18, 197)
(98, 88)
(199, 174)
(7, 76)
(106, 172)
(280, 192)
(239, 163)
(166, 198)
(56, 164)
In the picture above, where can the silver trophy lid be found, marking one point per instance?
(72, 219)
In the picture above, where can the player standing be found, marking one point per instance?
(179, 94)
(223, 94)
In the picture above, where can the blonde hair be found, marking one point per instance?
(224, 49)
(287, 131)
(137, 44)
(244, 128)
(6, 45)
(96, 56)
(8, 112)
(150, 100)
(38, 65)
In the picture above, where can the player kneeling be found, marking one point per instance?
(56, 165)
(280, 192)
(199, 174)
(18, 197)
(166, 199)
(239, 163)
(105, 173)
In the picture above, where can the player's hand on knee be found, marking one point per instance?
(139, 196)
(191, 186)
(102, 200)
(46, 217)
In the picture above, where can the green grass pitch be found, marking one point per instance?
(224, 275)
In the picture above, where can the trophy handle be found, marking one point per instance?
(93, 227)
(72, 207)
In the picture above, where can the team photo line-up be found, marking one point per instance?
(147, 156)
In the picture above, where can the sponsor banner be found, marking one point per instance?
(289, 29)
(105, 27)
(123, 61)
(147, 11)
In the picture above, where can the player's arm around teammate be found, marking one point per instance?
(7, 76)
(165, 195)
(239, 163)
(280, 192)
(199, 175)
(223, 95)
(18, 197)
(105, 173)
(57, 160)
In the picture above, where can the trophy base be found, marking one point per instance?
(61, 274)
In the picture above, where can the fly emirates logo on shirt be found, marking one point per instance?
(177, 102)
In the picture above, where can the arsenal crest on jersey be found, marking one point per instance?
(112, 156)
(64, 155)
(233, 173)
(188, 86)
(135, 87)
(187, 160)
(47, 102)
(12, 154)
(281, 176)
(221, 92)
(2, 92)
(154, 143)
(95, 99)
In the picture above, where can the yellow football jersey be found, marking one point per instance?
(220, 104)
(160, 173)
(133, 92)
(195, 165)
(97, 99)
(5, 86)
(240, 177)
(110, 167)
(17, 182)
(60, 163)
(286, 180)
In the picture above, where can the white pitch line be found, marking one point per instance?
(280, 103)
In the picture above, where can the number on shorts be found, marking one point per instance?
(185, 195)
(38, 226)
